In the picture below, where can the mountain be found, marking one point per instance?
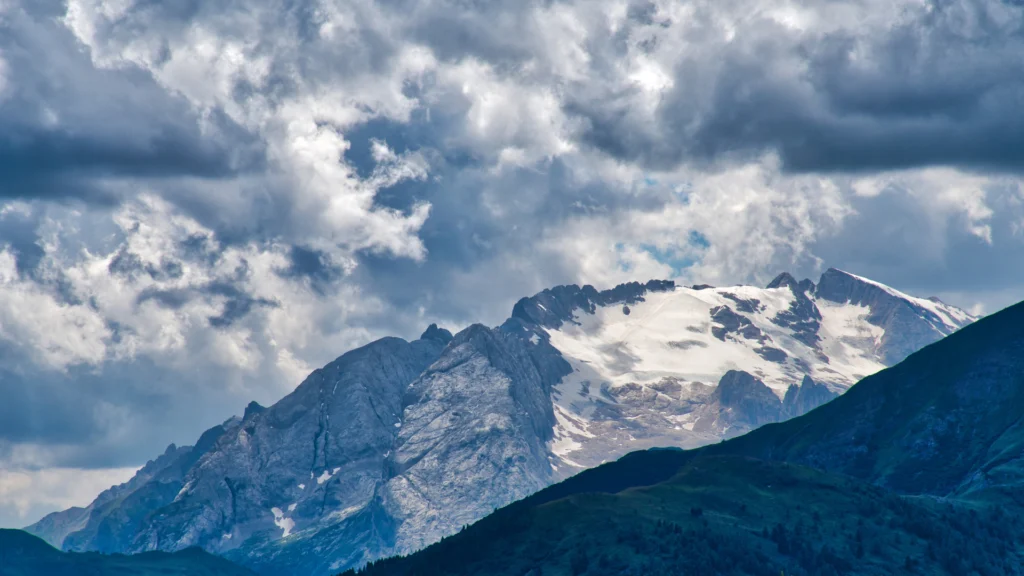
(644, 357)
(917, 469)
(22, 554)
(397, 444)
(117, 513)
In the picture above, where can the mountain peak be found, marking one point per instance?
(787, 280)
(434, 333)
(252, 409)
(784, 279)
(555, 306)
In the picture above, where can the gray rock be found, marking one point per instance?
(474, 437)
(806, 397)
(739, 404)
(802, 318)
(111, 521)
(552, 307)
(726, 322)
(300, 464)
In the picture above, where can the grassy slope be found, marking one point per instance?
(727, 515)
(22, 554)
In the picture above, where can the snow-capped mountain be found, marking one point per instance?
(651, 356)
(397, 444)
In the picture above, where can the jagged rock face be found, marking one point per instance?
(113, 519)
(466, 448)
(319, 450)
(385, 450)
(551, 308)
(802, 317)
(804, 398)
(740, 402)
(398, 444)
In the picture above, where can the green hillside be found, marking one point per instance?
(729, 515)
(22, 554)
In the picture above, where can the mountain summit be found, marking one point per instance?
(397, 444)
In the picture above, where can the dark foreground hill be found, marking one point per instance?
(729, 515)
(22, 554)
(917, 469)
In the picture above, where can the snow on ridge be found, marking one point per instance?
(954, 318)
(669, 335)
(849, 341)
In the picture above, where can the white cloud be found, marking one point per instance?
(23, 493)
(753, 220)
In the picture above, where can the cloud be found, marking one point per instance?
(842, 86)
(27, 494)
(203, 201)
(66, 127)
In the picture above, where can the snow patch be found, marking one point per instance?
(184, 491)
(344, 513)
(850, 342)
(285, 524)
(324, 477)
(952, 317)
(669, 336)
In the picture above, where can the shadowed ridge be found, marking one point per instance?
(922, 426)
(553, 306)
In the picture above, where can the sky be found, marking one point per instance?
(202, 201)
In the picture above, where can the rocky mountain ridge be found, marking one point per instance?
(397, 444)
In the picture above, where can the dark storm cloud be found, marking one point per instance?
(313, 266)
(942, 87)
(890, 239)
(67, 127)
(77, 417)
(237, 303)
